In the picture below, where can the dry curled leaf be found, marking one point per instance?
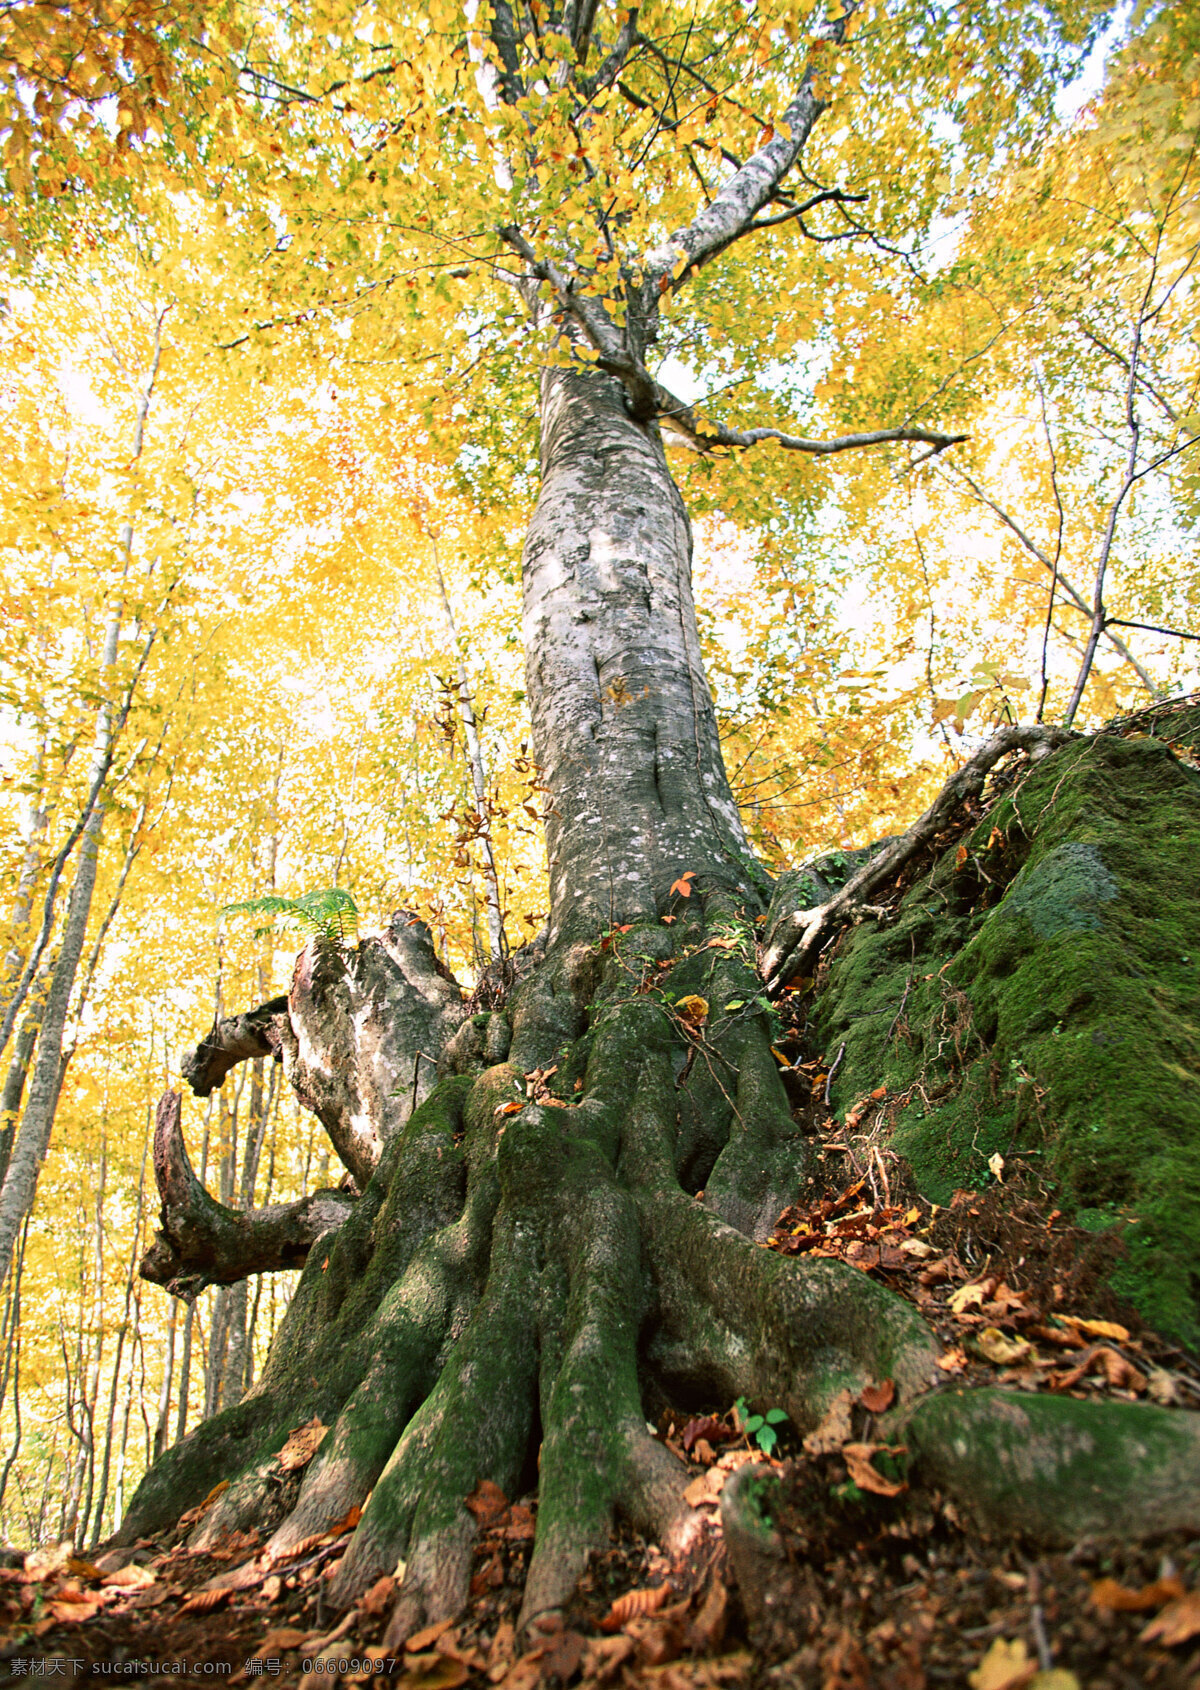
(73, 1611)
(1178, 1623)
(204, 1601)
(1005, 1352)
(858, 1463)
(302, 1444)
(634, 1605)
(130, 1577)
(80, 1569)
(1161, 1386)
(1096, 1328)
(876, 1399)
(427, 1637)
(692, 1009)
(377, 1598)
(283, 1637)
(1006, 1666)
(1118, 1599)
(954, 1361)
(487, 1502)
(432, 1672)
(966, 1297)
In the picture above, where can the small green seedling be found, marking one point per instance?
(760, 1427)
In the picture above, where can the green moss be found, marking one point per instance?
(1057, 1468)
(1042, 1000)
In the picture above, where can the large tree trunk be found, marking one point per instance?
(623, 720)
(560, 1239)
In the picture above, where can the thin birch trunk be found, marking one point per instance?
(162, 1428)
(466, 710)
(20, 1180)
(122, 1335)
(18, 1068)
(92, 1387)
(12, 1351)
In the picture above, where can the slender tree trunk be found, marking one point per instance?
(494, 906)
(623, 722)
(18, 1068)
(20, 1180)
(12, 1360)
(163, 1426)
(122, 1335)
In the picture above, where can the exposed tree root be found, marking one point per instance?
(529, 1272)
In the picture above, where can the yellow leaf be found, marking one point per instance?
(1004, 1667)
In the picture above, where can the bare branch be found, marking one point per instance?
(1077, 598)
(204, 1243)
(707, 435)
(746, 193)
(799, 936)
(234, 1039)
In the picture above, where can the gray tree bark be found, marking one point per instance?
(20, 1181)
(623, 721)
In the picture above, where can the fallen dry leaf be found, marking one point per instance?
(375, 1602)
(562, 1658)
(1161, 1386)
(80, 1569)
(432, 1672)
(1005, 1667)
(834, 1429)
(858, 1463)
(966, 1297)
(954, 1361)
(347, 1522)
(283, 1637)
(487, 1502)
(130, 1577)
(708, 1627)
(1096, 1328)
(1005, 1352)
(692, 1008)
(302, 1444)
(74, 1610)
(603, 1658)
(633, 1605)
(1117, 1599)
(705, 1487)
(204, 1601)
(1179, 1622)
(877, 1398)
(427, 1637)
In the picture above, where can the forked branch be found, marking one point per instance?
(799, 936)
(204, 1243)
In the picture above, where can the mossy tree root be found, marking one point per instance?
(521, 1277)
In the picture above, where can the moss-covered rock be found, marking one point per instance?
(1038, 996)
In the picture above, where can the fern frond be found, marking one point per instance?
(328, 911)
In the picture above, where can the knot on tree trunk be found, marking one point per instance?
(203, 1243)
(364, 1029)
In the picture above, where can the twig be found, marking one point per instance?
(829, 1077)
